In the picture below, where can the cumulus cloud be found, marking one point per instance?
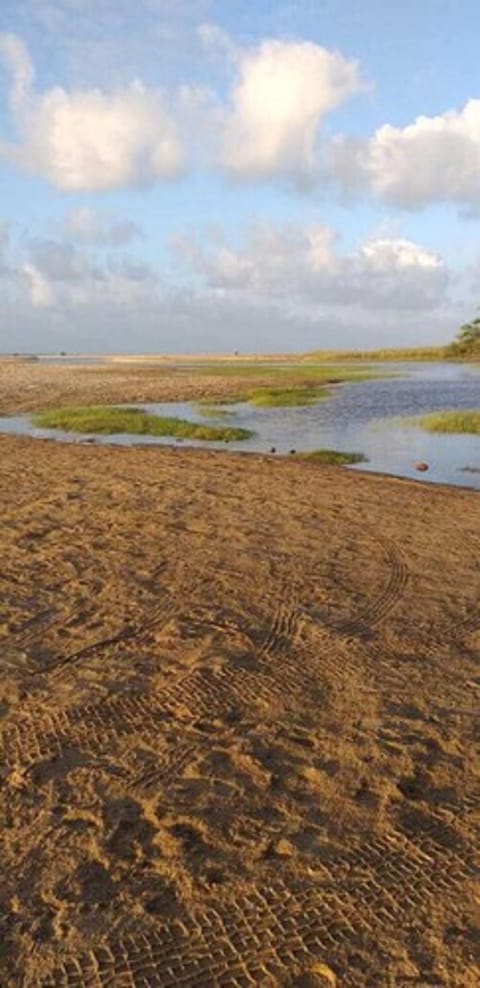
(303, 264)
(433, 159)
(289, 287)
(60, 262)
(85, 225)
(282, 93)
(64, 277)
(121, 314)
(89, 139)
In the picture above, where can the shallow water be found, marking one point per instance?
(358, 417)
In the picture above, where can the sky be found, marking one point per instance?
(181, 176)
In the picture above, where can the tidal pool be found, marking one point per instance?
(365, 417)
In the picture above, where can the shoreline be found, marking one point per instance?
(184, 447)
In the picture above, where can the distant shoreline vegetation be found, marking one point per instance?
(465, 346)
(390, 355)
(111, 420)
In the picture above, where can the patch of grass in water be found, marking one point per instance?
(109, 420)
(233, 399)
(286, 397)
(269, 397)
(333, 457)
(467, 421)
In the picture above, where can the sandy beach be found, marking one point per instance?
(25, 387)
(239, 714)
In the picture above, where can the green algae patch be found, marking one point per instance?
(110, 420)
(333, 457)
(467, 421)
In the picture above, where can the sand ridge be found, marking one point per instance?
(239, 728)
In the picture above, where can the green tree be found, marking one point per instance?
(469, 333)
(467, 340)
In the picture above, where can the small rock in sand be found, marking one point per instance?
(283, 848)
(317, 976)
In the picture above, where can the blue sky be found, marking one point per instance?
(191, 175)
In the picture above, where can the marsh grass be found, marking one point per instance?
(299, 373)
(266, 397)
(413, 353)
(333, 456)
(108, 420)
(467, 421)
(216, 402)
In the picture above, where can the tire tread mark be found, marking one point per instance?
(381, 606)
(388, 882)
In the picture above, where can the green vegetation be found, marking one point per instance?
(239, 369)
(211, 403)
(467, 342)
(303, 372)
(286, 397)
(109, 420)
(282, 385)
(465, 346)
(333, 456)
(456, 422)
(386, 355)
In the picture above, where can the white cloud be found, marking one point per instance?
(399, 255)
(85, 225)
(433, 159)
(302, 264)
(60, 262)
(42, 294)
(283, 91)
(90, 139)
(62, 277)
(286, 288)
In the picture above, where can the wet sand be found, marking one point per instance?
(239, 728)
